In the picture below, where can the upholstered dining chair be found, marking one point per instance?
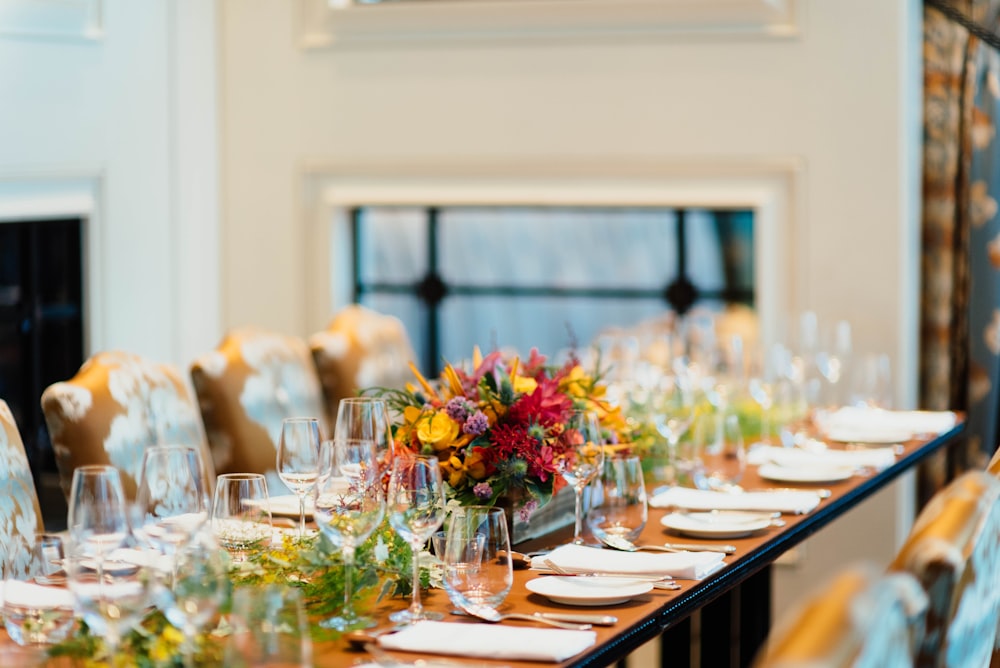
(954, 552)
(117, 405)
(360, 348)
(860, 617)
(246, 386)
(20, 514)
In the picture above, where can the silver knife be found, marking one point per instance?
(724, 549)
(597, 620)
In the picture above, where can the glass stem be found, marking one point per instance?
(348, 554)
(415, 606)
(302, 516)
(578, 527)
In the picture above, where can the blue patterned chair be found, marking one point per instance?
(20, 515)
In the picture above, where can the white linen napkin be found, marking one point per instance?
(784, 501)
(287, 505)
(860, 421)
(21, 592)
(489, 642)
(679, 565)
(877, 458)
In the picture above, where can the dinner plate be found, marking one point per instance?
(818, 474)
(583, 590)
(717, 523)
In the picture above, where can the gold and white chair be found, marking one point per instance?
(954, 552)
(360, 348)
(246, 386)
(20, 514)
(117, 405)
(860, 618)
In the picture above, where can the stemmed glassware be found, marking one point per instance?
(298, 459)
(349, 505)
(415, 505)
(673, 412)
(172, 497)
(355, 411)
(832, 362)
(111, 596)
(581, 459)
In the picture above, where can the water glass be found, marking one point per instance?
(488, 579)
(619, 499)
(33, 616)
(723, 455)
(47, 558)
(269, 628)
(241, 515)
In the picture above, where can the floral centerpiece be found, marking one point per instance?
(496, 427)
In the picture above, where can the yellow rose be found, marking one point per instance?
(524, 384)
(437, 430)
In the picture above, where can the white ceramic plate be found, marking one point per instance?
(820, 474)
(577, 590)
(873, 435)
(717, 524)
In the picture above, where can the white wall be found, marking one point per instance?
(126, 123)
(838, 98)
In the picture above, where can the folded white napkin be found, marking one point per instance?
(680, 565)
(489, 642)
(783, 501)
(287, 505)
(816, 459)
(20, 592)
(859, 421)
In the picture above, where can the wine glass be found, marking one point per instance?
(354, 412)
(171, 498)
(298, 459)
(241, 514)
(97, 517)
(113, 593)
(581, 459)
(415, 506)
(832, 362)
(673, 412)
(348, 507)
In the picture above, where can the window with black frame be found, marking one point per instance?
(548, 277)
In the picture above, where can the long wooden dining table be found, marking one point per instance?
(733, 604)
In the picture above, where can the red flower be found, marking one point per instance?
(546, 406)
(542, 463)
(509, 441)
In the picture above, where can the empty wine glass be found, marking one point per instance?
(673, 412)
(724, 457)
(298, 459)
(349, 505)
(580, 459)
(415, 506)
(832, 362)
(171, 498)
(241, 514)
(353, 413)
(97, 517)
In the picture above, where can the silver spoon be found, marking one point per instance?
(486, 613)
(625, 545)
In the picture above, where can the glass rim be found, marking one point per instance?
(240, 476)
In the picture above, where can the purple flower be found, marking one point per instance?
(477, 424)
(482, 490)
(525, 511)
(457, 408)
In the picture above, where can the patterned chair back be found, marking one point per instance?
(360, 348)
(954, 552)
(117, 405)
(246, 387)
(20, 514)
(861, 618)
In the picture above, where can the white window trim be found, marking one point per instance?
(769, 187)
(327, 23)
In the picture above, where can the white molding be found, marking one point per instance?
(325, 23)
(67, 20)
(61, 193)
(771, 187)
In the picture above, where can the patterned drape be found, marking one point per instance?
(960, 320)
